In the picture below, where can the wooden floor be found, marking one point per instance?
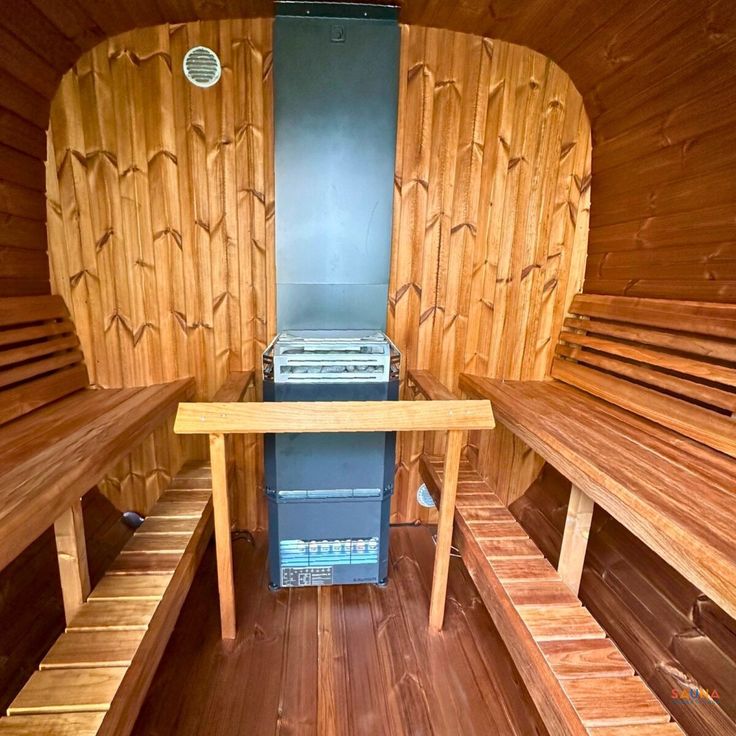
(341, 661)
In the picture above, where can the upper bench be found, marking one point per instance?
(640, 419)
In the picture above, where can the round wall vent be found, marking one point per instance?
(424, 498)
(202, 66)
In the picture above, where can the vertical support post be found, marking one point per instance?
(223, 542)
(575, 538)
(71, 550)
(444, 529)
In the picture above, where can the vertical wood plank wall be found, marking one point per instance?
(490, 217)
(657, 79)
(160, 218)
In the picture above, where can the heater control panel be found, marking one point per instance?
(317, 561)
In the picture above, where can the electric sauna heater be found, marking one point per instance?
(329, 494)
(335, 101)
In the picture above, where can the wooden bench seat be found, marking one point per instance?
(95, 677)
(640, 419)
(576, 676)
(674, 494)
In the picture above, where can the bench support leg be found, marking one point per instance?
(223, 542)
(71, 550)
(444, 529)
(575, 538)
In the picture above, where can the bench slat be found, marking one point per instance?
(116, 615)
(93, 649)
(167, 525)
(701, 392)
(141, 563)
(157, 543)
(585, 658)
(706, 347)
(131, 587)
(36, 332)
(552, 593)
(548, 623)
(68, 691)
(38, 362)
(598, 701)
(24, 398)
(67, 724)
(687, 366)
(717, 320)
(18, 310)
(700, 424)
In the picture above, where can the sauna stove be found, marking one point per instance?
(329, 494)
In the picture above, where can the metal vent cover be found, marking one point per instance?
(202, 66)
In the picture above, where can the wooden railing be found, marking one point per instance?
(220, 419)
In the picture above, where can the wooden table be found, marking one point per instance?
(220, 419)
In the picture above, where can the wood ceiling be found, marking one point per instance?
(656, 75)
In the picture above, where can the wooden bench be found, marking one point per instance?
(640, 419)
(58, 436)
(95, 677)
(576, 676)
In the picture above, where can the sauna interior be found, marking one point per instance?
(520, 215)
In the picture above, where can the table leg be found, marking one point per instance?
(444, 529)
(223, 542)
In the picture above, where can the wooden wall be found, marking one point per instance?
(658, 84)
(490, 219)
(160, 219)
(656, 77)
(160, 216)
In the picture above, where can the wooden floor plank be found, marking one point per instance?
(365, 685)
(333, 715)
(475, 703)
(93, 649)
(113, 616)
(586, 658)
(130, 587)
(67, 724)
(560, 622)
(68, 691)
(616, 701)
(298, 702)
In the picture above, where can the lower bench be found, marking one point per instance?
(95, 677)
(576, 676)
